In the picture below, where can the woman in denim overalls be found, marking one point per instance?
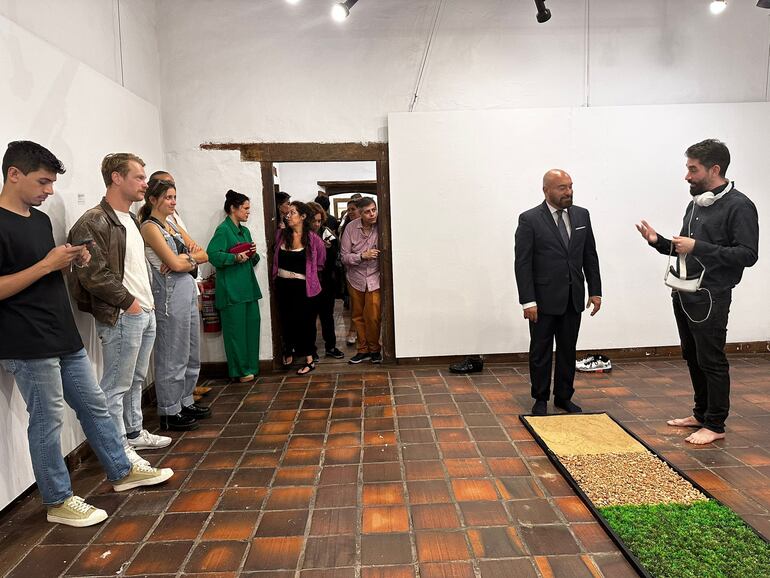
(174, 258)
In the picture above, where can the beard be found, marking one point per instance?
(697, 188)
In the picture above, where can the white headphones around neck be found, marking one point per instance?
(708, 198)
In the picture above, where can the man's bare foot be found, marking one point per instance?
(704, 436)
(689, 421)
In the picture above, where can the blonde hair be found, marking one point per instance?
(117, 163)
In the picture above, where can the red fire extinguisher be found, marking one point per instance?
(211, 320)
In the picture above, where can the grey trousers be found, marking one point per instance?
(177, 344)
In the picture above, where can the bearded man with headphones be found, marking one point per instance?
(719, 238)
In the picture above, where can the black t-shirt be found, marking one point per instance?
(37, 322)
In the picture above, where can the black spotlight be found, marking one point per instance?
(763, 4)
(543, 14)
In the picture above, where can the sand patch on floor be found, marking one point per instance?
(584, 434)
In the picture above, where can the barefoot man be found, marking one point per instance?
(720, 235)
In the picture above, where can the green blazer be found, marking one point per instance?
(236, 282)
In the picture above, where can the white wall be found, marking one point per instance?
(56, 100)
(245, 71)
(116, 38)
(454, 289)
(300, 180)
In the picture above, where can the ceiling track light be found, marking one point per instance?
(718, 6)
(763, 4)
(543, 14)
(341, 10)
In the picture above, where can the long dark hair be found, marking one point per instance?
(234, 199)
(156, 190)
(287, 234)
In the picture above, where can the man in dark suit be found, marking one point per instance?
(555, 257)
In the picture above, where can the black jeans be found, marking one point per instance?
(326, 315)
(703, 348)
(564, 328)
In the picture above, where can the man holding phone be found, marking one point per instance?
(46, 355)
(362, 260)
(115, 288)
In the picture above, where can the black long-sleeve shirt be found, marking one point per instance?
(726, 240)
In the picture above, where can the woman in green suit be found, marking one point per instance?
(234, 254)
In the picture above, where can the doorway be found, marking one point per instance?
(271, 154)
(340, 184)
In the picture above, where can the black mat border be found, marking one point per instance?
(633, 560)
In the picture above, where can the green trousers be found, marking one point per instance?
(240, 331)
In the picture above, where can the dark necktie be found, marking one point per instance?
(562, 227)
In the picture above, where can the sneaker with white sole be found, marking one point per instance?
(134, 457)
(359, 357)
(141, 475)
(75, 511)
(147, 441)
(595, 363)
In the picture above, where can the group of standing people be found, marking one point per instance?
(304, 256)
(105, 255)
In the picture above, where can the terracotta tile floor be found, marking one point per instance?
(388, 473)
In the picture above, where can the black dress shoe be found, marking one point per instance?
(196, 411)
(178, 422)
(567, 406)
(540, 407)
(468, 365)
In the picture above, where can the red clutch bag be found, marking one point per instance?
(240, 248)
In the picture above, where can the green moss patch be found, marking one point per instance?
(701, 540)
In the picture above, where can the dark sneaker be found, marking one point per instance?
(358, 358)
(376, 357)
(178, 422)
(316, 358)
(335, 353)
(196, 411)
(468, 365)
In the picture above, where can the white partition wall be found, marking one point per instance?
(460, 179)
(56, 100)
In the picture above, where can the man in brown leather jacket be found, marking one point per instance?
(115, 288)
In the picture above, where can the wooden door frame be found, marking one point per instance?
(269, 153)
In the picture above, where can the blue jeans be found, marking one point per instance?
(45, 384)
(177, 348)
(126, 349)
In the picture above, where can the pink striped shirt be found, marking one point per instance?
(363, 274)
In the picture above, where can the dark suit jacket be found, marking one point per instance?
(545, 268)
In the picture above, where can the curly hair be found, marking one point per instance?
(287, 234)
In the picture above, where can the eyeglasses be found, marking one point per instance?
(155, 186)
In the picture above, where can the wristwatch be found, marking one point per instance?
(193, 262)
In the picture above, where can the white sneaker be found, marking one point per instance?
(134, 457)
(74, 511)
(147, 441)
(596, 363)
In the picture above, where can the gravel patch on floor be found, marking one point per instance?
(617, 479)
